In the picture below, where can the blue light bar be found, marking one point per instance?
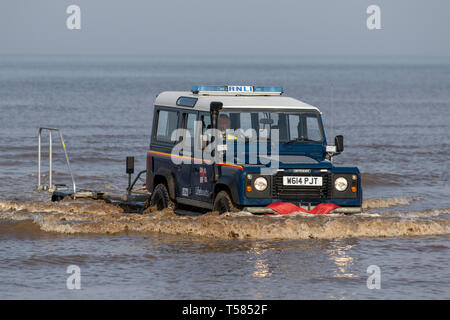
(278, 90)
(198, 89)
(237, 90)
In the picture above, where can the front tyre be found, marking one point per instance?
(223, 203)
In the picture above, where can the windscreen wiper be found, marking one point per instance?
(299, 139)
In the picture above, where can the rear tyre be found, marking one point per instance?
(160, 198)
(223, 203)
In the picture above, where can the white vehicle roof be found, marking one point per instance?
(170, 98)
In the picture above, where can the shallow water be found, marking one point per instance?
(395, 120)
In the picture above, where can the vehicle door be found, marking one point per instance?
(184, 181)
(202, 171)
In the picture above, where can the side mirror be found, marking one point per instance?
(214, 108)
(339, 143)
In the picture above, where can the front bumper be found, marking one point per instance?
(263, 210)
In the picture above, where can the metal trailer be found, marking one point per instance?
(61, 191)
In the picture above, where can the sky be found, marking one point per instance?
(241, 27)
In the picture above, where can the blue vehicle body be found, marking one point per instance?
(196, 183)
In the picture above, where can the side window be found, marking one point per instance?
(206, 122)
(167, 123)
(189, 123)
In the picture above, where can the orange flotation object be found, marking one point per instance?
(288, 208)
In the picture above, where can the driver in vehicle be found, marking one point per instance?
(224, 123)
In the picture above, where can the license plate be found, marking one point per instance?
(302, 181)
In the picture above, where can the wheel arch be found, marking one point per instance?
(222, 186)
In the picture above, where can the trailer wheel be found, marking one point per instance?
(223, 203)
(160, 198)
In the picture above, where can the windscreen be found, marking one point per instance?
(293, 126)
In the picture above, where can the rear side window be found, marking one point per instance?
(167, 123)
(186, 102)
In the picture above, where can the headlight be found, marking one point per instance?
(260, 184)
(341, 184)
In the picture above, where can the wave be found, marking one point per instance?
(250, 227)
(384, 203)
(65, 206)
(383, 179)
(97, 217)
(100, 207)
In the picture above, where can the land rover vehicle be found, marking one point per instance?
(304, 173)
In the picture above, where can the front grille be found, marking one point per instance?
(279, 191)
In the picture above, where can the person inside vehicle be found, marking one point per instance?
(224, 123)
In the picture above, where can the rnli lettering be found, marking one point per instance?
(240, 89)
